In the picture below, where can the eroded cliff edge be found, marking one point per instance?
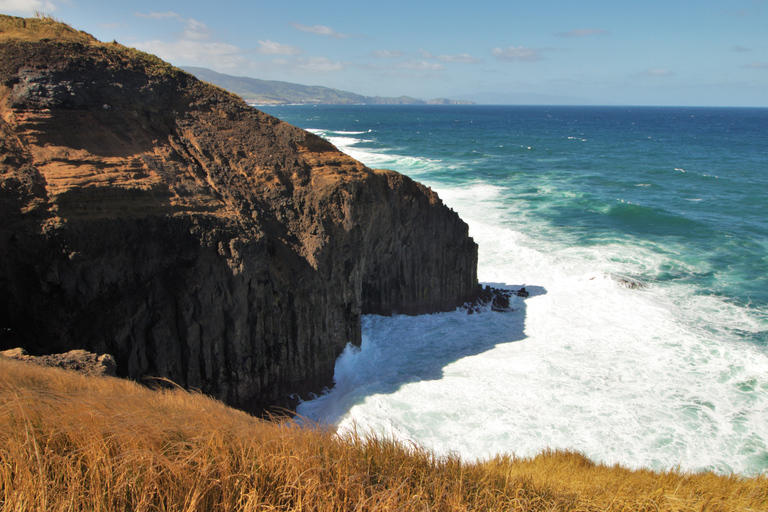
(157, 218)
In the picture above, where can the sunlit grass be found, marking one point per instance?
(42, 26)
(70, 442)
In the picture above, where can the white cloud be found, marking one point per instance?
(159, 15)
(583, 32)
(520, 53)
(27, 7)
(320, 30)
(659, 72)
(756, 65)
(195, 44)
(210, 53)
(462, 58)
(194, 29)
(387, 54)
(272, 48)
(298, 66)
(315, 65)
(740, 49)
(421, 65)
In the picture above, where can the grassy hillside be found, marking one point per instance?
(70, 442)
(270, 91)
(258, 91)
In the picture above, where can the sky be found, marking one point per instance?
(649, 52)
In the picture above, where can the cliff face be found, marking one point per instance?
(151, 216)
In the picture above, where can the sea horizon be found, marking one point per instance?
(543, 105)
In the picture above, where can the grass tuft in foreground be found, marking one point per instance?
(70, 442)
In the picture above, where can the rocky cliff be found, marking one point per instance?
(154, 217)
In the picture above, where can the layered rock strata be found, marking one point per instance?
(160, 219)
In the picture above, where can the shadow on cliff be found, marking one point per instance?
(400, 350)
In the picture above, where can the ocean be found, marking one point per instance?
(642, 236)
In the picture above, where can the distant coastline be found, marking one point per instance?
(270, 92)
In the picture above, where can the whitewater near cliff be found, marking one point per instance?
(642, 236)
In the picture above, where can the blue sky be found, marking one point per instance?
(648, 52)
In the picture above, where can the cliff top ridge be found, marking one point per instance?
(46, 29)
(39, 28)
(160, 219)
(93, 116)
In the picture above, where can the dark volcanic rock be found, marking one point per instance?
(495, 299)
(628, 282)
(151, 216)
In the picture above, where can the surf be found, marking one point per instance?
(646, 340)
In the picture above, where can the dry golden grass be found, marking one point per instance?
(46, 28)
(69, 442)
(40, 27)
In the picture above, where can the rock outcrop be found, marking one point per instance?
(77, 360)
(151, 216)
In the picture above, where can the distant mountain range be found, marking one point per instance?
(271, 92)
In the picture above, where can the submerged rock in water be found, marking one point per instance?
(495, 299)
(160, 219)
(628, 282)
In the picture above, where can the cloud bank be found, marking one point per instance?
(272, 48)
(320, 30)
(658, 72)
(583, 32)
(518, 54)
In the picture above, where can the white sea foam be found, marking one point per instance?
(646, 377)
(340, 139)
(624, 375)
(377, 158)
(342, 132)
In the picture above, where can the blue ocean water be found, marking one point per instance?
(575, 203)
